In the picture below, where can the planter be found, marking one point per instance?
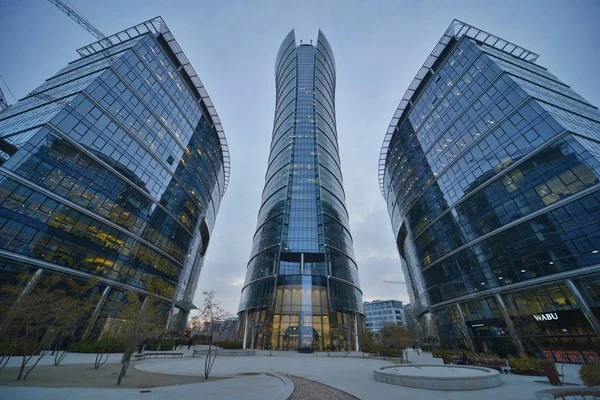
(226, 352)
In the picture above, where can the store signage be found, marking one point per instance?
(546, 317)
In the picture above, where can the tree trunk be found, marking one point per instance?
(4, 360)
(33, 366)
(125, 364)
(100, 359)
(23, 362)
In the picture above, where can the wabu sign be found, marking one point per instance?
(546, 317)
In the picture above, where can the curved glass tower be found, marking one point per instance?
(113, 170)
(301, 287)
(491, 172)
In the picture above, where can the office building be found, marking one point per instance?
(301, 287)
(113, 169)
(379, 313)
(490, 169)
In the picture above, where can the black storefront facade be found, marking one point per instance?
(557, 321)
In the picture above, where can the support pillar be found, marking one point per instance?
(356, 331)
(29, 286)
(465, 328)
(587, 311)
(245, 328)
(96, 312)
(169, 317)
(509, 324)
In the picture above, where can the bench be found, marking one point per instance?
(137, 357)
(500, 364)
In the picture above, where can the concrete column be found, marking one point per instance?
(30, 284)
(465, 328)
(96, 312)
(170, 316)
(356, 330)
(587, 311)
(245, 328)
(509, 324)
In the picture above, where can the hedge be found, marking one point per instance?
(99, 346)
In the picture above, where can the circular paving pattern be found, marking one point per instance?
(439, 377)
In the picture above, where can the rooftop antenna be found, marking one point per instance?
(300, 41)
(311, 41)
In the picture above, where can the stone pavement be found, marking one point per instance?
(352, 374)
(257, 387)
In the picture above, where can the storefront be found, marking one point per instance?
(557, 321)
(565, 336)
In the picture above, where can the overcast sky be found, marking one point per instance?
(378, 45)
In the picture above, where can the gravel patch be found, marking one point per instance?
(75, 375)
(305, 389)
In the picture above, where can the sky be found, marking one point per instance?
(379, 46)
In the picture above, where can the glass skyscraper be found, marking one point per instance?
(301, 287)
(491, 173)
(113, 169)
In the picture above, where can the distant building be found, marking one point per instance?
(228, 329)
(381, 312)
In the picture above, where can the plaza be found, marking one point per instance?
(113, 171)
(268, 377)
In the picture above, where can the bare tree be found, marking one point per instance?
(366, 340)
(44, 314)
(143, 320)
(333, 337)
(31, 317)
(267, 333)
(101, 353)
(10, 296)
(211, 312)
(75, 311)
(395, 337)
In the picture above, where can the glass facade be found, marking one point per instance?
(301, 287)
(113, 169)
(379, 313)
(491, 173)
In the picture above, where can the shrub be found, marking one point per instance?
(98, 346)
(16, 347)
(230, 344)
(367, 347)
(524, 364)
(384, 350)
(162, 344)
(590, 374)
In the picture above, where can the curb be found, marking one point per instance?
(288, 386)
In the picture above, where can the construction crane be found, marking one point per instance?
(77, 17)
(397, 282)
(3, 103)
(85, 24)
